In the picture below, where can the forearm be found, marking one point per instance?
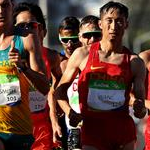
(64, 106)
(52, 106)
(61, 97)
(39, 80)
(139, 102)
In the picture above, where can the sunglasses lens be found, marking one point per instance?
(73, 40)
(97, 34)
(64, 40)
(88, 35)
(21, 25)
(33, 25)
(25, 25)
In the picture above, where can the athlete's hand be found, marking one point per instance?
(15, 58)
(139, 108)
(56, 132)
(13, 54)
(75, 119)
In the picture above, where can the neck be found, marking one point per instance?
(109, 46)
(6, 30)
(67, 55)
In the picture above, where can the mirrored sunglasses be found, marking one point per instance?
(28, 25)
(94, 34)
(73, 39)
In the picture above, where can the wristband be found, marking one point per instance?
(74, 118)
(22, 68)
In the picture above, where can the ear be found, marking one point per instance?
(13, 3)
(45, 32)
(80, 37)
(100, 24)
(127, 24)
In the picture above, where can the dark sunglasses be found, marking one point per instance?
(28, 25)
(73, 39)
(94, 34)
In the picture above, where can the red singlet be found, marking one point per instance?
(104, 95)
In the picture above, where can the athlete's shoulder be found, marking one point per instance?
(54, 57)
(128, 51)
(145, 54)
(83, 50)
(79, 56)
(49, 50)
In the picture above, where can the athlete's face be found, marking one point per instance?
(113, 25)
(89, 33)
(28, 22)
(69, 40)
(6, 8)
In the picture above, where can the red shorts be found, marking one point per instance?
(42, 132)
(108, 133)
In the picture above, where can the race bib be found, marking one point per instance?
(9, 89)
(37, 101)
(73, 97)
(105, 95)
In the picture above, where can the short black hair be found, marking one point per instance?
(89, 19)
(34, 9)
(122, 8)
(69, 23)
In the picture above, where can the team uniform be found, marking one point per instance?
(104, 96)
(42, 129)
(15, 122)
(147, 130)
(73, 97)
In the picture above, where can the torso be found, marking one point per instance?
(19, 109)
(38, 101)
(96, 74)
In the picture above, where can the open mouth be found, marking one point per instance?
(114, 33)
(1, 18)
(71, 50)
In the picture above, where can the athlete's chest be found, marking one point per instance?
(112, 58)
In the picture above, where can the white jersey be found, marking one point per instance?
(73, 97)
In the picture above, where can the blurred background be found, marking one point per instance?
(137, 36)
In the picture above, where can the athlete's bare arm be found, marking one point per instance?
(37, 72)
(145, 56)
(56, 74)
(139, 73)
(75, 63)
(61, 91)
